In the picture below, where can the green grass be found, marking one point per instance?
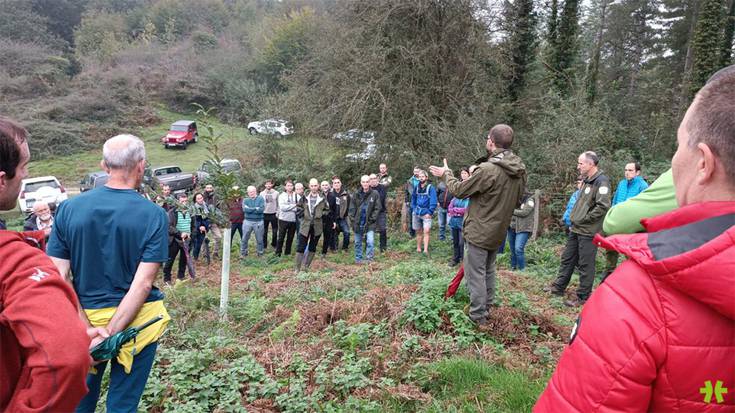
(476, 385)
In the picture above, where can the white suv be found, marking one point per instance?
(277, 127)
(46, 188)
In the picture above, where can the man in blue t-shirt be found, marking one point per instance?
(113, 241)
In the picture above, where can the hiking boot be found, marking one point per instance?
(551, 289)
(574, 302)
(309, 259)
(299, 260)
(483, 327)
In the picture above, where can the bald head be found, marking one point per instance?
(123, 152)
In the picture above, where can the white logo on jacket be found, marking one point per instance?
(603, 190)
(587, 190)
(39, 275)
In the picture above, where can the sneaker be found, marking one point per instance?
(574, 302)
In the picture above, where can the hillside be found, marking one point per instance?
(358, 338)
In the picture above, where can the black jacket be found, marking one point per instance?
(173, 219)
(443, 196)
(372, 199)
(383, 193)
(344, 199)
(333, 213)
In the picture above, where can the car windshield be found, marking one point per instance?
(166, 171)
(231, 166)
(101, 180)
(35, 186)
(179, 128)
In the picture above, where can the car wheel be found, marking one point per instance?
(278, 135)
(196, 138)
(253, 131)
(186, 143)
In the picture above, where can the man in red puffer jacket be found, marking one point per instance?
(44, 347)
(659, 333)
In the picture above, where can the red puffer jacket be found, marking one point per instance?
(44, 348)
(662, 326)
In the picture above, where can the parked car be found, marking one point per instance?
(93, 180)
(228, 165)
(370, 150)
(364, 136)
(278, 127)
(170, 175)
(358, 137)
(181, 134)
(45, 188)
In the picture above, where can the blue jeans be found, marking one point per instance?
(344, 228)
(369, 249)
(517, 244)
(125, 389)
(442, 215)
(248, 227)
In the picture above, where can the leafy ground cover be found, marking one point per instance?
(343, 337)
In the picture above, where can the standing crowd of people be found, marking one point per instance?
(657, 328)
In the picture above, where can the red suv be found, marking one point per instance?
(182, 133)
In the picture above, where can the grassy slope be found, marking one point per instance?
(339, 338)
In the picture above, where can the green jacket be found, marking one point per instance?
(308, 219)
(592, 204)
(625, 217)
(372, 199)
(494, 189)
(522, 220)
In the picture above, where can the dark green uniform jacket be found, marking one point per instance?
(494, 189)
(592, 204)
(523, 216)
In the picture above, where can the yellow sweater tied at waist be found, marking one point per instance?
(100, 317)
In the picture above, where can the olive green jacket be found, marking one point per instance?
(592, 204)
(522, 220)
(494, 189)
(308, 219)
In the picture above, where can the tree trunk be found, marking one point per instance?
(594, 66)
(729, 34)
(689, 61)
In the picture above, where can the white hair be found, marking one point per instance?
(123, 152)
(364, 178)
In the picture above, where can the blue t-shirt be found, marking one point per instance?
(106, 233)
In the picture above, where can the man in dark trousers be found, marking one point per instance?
(329, 221)
(364, 212)
(342, 199)
(180, 226)
(382, 225)
(586, 217)
(495, 189)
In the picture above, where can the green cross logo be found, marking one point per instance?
(718, 391)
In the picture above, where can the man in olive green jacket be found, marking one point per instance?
(312, 208)
(587, 216)
(494, 189)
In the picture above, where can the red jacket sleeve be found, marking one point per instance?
(615, 349)
(40, 310)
